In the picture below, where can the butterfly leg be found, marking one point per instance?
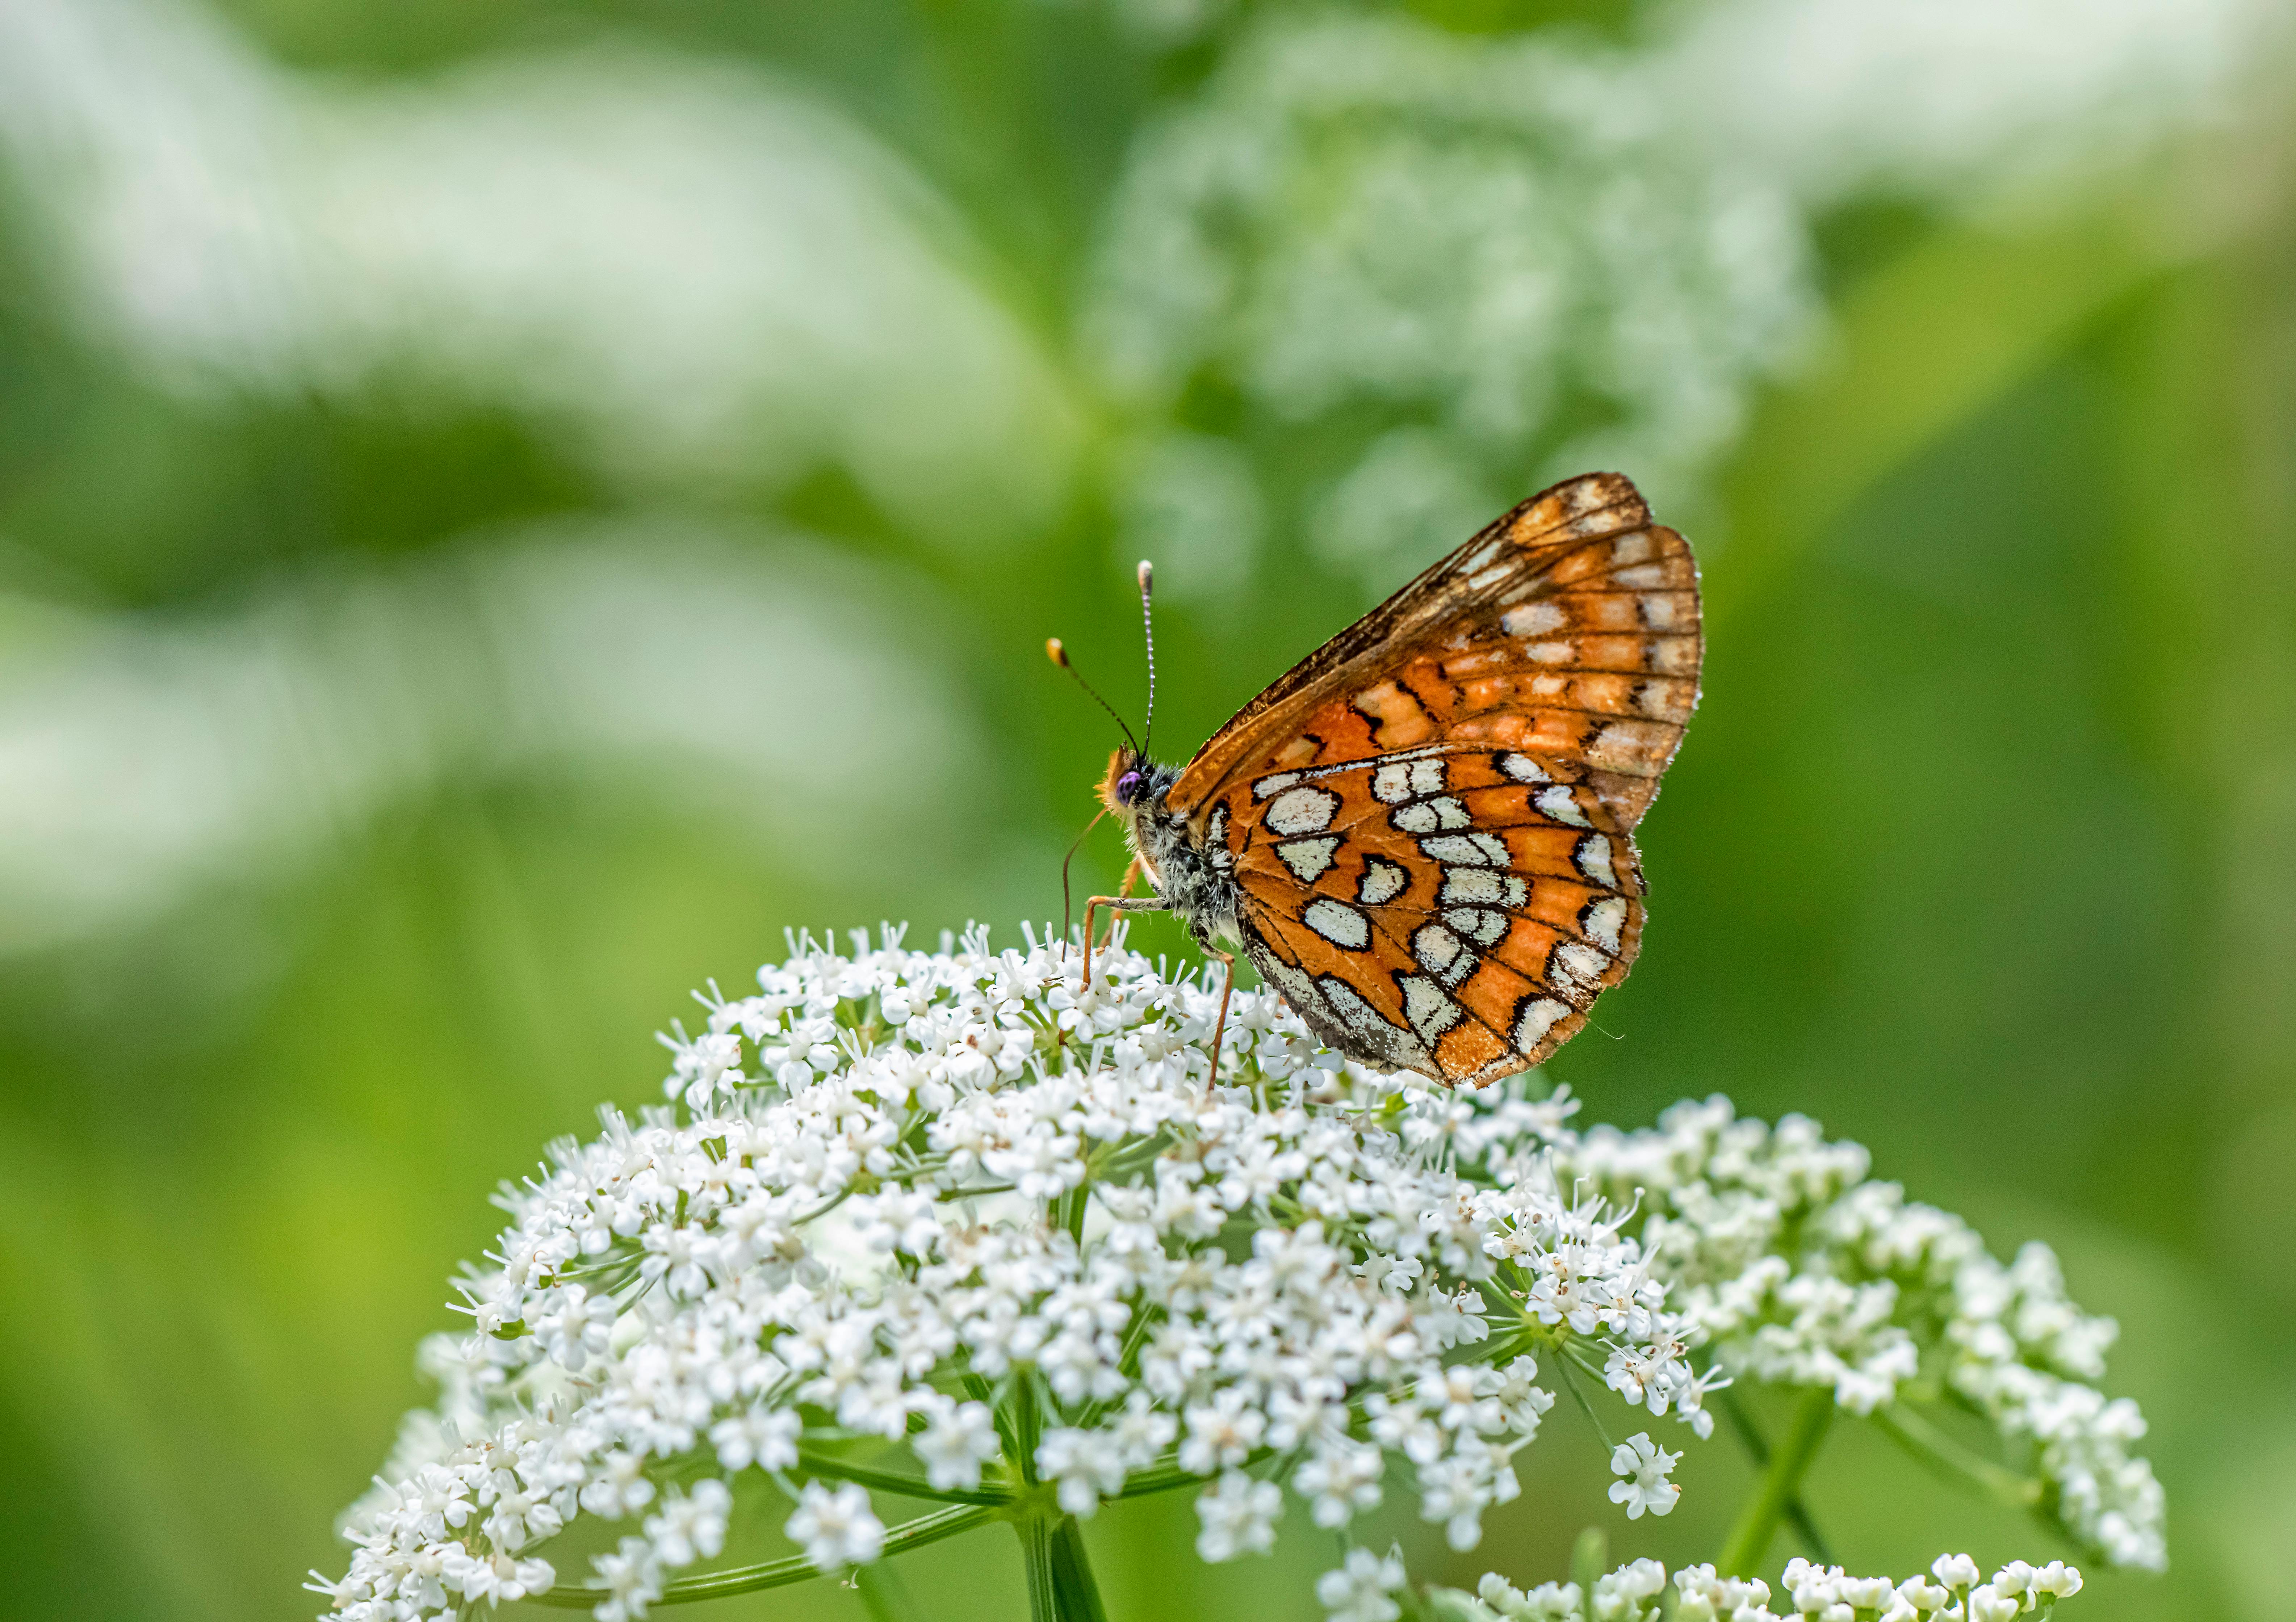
(1114, 904)
(1219, 1030)
(1131, 876)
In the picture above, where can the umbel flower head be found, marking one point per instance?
(951, 1226)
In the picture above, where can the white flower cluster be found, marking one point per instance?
(1476, 263)
(952, 1226)
(1800, 1272)
(1949, 1593)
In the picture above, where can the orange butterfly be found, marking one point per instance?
(1420, 833)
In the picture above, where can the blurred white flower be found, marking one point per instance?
(152, 756)
(1193, 503)
(1360, 1589)
(1239, 1516)
(837, 1529)
(1498, 252)
(1443, 268)
(692, 272)
(692, 1525)
(1962, 97)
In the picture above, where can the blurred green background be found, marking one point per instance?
(505, 506)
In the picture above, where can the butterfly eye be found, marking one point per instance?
(1126, 786)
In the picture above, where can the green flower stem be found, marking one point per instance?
(1798, 1515)
(1036, 1533)
(778, 1573)
(1073, 1571)
(1571, 1381)
(1590, 1558)
(1060, 1587)
(1948, 1458)
(896, 1482)
(1757, 1523)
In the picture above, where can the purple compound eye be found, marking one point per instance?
(1126, 786)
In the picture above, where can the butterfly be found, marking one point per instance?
(1422, 834)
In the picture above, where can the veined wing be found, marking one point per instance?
(1430, 816)
(1568, 630)
(1452, 910)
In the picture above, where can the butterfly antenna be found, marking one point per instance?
(1060, 656)
(1148, 629)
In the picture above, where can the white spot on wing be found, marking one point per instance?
(1523, 768)
(1436, 946)
(1481, 886)
(1532, 618)
(1641, 576)
(1338, 923)
(1303, 810)
(1580, 961)
(1485, 928)
(1593, 859)
(1538, 1018)
(1551, 652)
(1274, 784)
(1425, 1005)
(1383, 882)
(1398, 780)
(1559, 803)
(1603, 920)
(1308, 859)
(1631, 548)
(1430, 815)
(1459, 848)
(1398, 1046)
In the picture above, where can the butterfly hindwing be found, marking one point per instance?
(1454, 780)
(1452, 910)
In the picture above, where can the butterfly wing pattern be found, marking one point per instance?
(1428, 819)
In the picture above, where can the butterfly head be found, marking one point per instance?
(1131, 778)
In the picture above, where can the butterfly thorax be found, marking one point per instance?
(1176, 857)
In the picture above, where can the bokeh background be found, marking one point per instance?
(507, 504)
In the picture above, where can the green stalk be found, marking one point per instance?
(777, 1573)
(1953, 1462)
(897, 1482)
(1036, 1533)
(1797, 1512)
(1780, 1485)
(1060, 1587)
(1079, 1595)
(1590, 1558)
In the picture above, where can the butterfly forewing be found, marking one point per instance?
(1429, 817)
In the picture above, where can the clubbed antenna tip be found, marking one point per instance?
(1059, 655)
